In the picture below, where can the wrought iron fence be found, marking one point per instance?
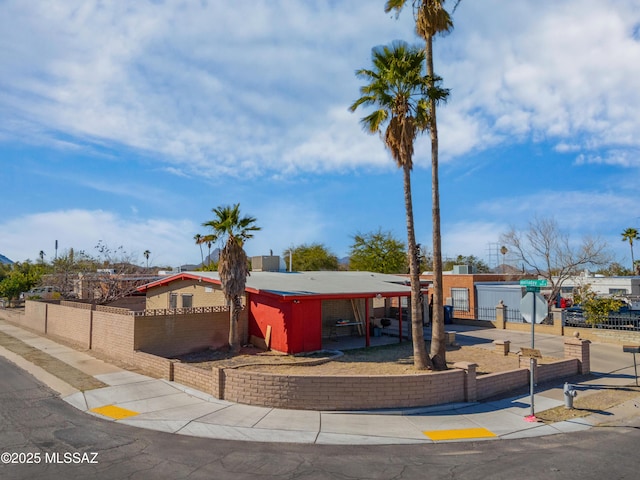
(512, 315)
(625, 321)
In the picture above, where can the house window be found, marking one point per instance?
(173, 300)
(618, 291)
(187, 301)
(460, 298)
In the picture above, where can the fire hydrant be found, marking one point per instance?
(569, 394)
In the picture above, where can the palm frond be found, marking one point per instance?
(398, 90)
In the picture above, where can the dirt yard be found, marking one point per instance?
(396, 359)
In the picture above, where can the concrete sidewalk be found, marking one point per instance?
(145, 402)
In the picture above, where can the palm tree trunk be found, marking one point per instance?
(438, 343)
(234, 333)
(420, 358)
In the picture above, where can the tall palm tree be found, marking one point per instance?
(400, 93)
(432, 19)
(198, 239)
(209, 240)
(233, 266)
(146, 254)
(629, 235)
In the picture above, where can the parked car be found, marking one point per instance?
(45, 292)
(625, 318)
(574, 317)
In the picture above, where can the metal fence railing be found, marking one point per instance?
(626, 321)
(512, 315)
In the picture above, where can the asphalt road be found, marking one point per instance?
(36, 426)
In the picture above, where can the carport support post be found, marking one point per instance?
(400, 319)
(367, 323)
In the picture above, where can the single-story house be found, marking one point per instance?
(298, 308)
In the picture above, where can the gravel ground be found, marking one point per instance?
(396, 359)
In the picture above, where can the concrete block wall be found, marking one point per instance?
(559, 369)
(153, 365)
(35, 316)
(194, 377)
(618, 337)
(333, 310)
(179, 334)
(113, 335)
(343, 392)
(70, 324)
(496, 383)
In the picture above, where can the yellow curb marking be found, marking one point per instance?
(439, 435)
(114, 412)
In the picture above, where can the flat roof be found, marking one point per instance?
(300, 284)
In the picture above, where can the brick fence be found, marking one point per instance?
(135, 338)
(460, 384)
(120, 335)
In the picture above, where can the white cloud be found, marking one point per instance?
(170, 241)
(546, 69)
(621, 158)
(266, 84)
(202, 84)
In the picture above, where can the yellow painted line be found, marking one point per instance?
(112, 411)
(463, 433)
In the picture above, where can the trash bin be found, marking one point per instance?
(448, 314)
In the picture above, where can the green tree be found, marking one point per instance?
(233, 266)
(478, 265)
(614, 269)
(629, 235)
(596, 309)
(378, 252)
(310, 258)
(400, 93)
(146, 254)
(432, 19)
(21, 278)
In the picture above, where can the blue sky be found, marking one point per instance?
(127, 122)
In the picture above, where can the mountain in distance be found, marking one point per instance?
(5, 260)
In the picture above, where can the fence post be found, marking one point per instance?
(556, 315)
(501, 315)
(579, 349)
(470, 383)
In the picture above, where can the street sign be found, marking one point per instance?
(527, 307)
(534, 309)
(533, 283)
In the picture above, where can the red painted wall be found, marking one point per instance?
(295, 327)
(306, 326)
